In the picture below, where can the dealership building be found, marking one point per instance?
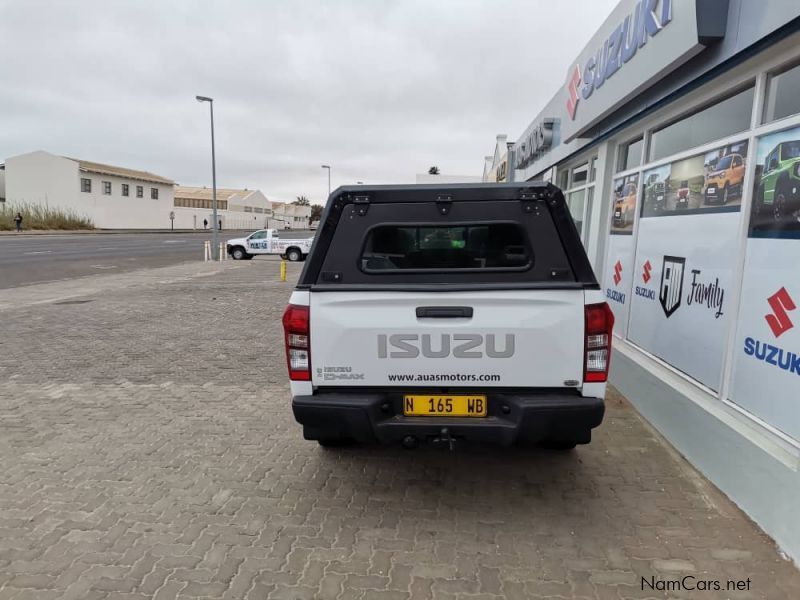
(676, 139)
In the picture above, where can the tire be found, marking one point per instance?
(725, 192)
(238, 253)
(294, 255)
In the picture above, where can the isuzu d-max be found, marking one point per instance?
(436, 313)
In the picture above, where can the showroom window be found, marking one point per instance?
(630, 155)
(783, 94)
(719, 120)
(578, 185)
(563, 179)
(580, 174)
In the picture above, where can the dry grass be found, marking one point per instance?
(36, 216)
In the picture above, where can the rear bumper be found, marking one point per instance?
(512, 417)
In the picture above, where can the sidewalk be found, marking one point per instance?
(148, 449)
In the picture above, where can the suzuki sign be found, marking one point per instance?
(639, 43)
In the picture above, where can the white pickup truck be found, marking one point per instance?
(440, 313)
(267, 241)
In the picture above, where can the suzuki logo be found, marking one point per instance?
(572, 91)
(780, 302)
(617, 273)
(646, 268)
(671, 288)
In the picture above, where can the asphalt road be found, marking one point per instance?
(28, 259)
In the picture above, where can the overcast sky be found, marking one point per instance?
(379, 90)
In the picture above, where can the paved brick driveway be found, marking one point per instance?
(147, 448)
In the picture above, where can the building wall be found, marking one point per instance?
(115, 211)
(690, 374)
(49, 180)
(45, 179)
(2, 185)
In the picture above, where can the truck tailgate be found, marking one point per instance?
(526, 338)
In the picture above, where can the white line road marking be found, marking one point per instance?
(104, 266)
(108, 248)
(174, 242)
(40, 252)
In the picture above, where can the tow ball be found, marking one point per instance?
(445, 437)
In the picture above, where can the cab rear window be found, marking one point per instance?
(452, 247)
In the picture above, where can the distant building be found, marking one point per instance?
(121, 198)
(112, 197)
(291, 216)
(236, 209)
(495, 166)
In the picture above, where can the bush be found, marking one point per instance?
(36, 216)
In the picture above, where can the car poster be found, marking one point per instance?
(683, 274)
(776, 188)
(710, 182)
(766, 366)
(619, 261)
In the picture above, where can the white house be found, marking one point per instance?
(236, 209)
(112, 197)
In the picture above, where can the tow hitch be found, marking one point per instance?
(445, 437)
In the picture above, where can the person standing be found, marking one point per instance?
(205, 223)
(18, 221)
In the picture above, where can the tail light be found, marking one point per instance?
(296, 332)
(597, 342)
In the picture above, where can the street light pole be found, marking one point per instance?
(214, 219)
(329, 178)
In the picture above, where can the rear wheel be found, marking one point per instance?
(238, 253)
(294, 255)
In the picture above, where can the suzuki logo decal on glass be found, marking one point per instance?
(780, 302)
(617, 273)
(646, 268)
(671, 288)
(572, 91)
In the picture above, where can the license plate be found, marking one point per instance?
(434, 405)
(712, 190)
